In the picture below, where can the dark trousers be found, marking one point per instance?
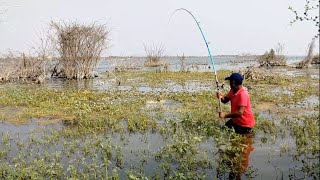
(238, 129)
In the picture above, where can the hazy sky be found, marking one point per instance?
(231, 26)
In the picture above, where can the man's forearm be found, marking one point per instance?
(224, 100)
(233, 115)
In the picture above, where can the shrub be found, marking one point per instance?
(154, 54)
(79, 48)
(273, 58)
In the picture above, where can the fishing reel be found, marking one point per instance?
(220, 85)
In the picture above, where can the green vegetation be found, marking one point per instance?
(121, 134)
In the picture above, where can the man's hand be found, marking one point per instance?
(220, 95)
(224, 99)
(222, 115)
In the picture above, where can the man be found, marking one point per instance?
(242, 120)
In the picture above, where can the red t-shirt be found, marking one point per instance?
(241, 98)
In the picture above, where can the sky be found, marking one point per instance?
(231, 27)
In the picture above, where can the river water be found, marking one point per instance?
(204, 63)
(193, 64)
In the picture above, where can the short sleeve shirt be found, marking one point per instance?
(241, 98)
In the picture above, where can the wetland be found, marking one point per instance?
(145, 124)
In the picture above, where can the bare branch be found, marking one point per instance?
(311, 14)
(182, 61)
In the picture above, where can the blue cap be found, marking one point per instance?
(238, 78)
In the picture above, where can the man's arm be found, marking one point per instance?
(238, 113)
(223, 98)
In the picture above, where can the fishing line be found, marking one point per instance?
(210, 55)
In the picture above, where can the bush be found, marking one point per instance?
(269, 59)
(79, 47)
(154, 54)
(19, 65)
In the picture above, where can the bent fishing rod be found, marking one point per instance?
(204, 38)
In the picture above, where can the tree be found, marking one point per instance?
(310, 13)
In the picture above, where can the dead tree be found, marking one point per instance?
(306, 62)
(182, 63)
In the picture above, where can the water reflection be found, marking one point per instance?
(58, 83)
(34, 125)
(234, 158)
(111, 85)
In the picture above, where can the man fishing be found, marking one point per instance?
(242, 119)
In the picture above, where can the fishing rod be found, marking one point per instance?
(204, 38)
